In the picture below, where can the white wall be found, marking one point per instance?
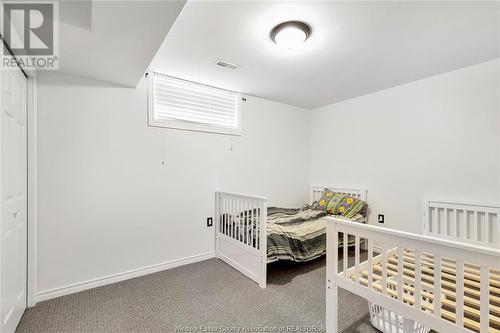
(106, 203)
(437, 137)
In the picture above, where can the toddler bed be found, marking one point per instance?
(449, 281)
(291, 234)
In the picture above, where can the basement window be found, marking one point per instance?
(186, 105)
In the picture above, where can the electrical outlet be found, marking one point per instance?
(380, 218)
(209, 222)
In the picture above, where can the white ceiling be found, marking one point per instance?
(113, 41)
(355, 48)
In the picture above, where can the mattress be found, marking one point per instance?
(297, 234)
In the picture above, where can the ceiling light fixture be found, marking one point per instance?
(290, 34)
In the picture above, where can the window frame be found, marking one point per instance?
(185, 125)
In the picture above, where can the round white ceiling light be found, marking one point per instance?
(290, 34)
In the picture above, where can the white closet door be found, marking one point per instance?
(13, 242)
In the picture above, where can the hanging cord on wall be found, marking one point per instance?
(163, 149)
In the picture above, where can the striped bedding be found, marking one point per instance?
(297, 234)
(292, 234)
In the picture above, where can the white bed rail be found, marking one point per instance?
(444, 284)
(241, 233)
(471, 223)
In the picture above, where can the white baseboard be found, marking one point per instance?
(74, 288)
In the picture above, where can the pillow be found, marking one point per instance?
(341, 204)
(323, 201)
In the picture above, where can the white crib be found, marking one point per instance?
(246, 252)
(244, 247)
(447, 279)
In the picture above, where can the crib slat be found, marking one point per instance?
(485, 300)
(430, 219)
(473, 229)
(370, 263)
(228, 217)
(495, 228)
(226, 212)
(259, 223)
(454, 220)
(418, 281)
(240, 218)
(460, 230)
(437, 286)
(242, 221)
(246, 221)
(252, 217)
(264, 216)
(442, 226)
(220, 213)
(345, 257)
(400, 274)
(246, 224)
(384, 269)
(434, 218)
(463, 225)
(453, 225)
(356, 257)
(231, 216)
(236, 219)
(241, 213)
(485, 229)
(255, 224)
(460, 293)
(446, 230)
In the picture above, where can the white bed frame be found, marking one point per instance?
(237, 249)
(471, 223)
(443, 241)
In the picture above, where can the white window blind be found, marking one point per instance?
(181, 104)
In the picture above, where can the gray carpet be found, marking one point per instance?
(208, 294)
